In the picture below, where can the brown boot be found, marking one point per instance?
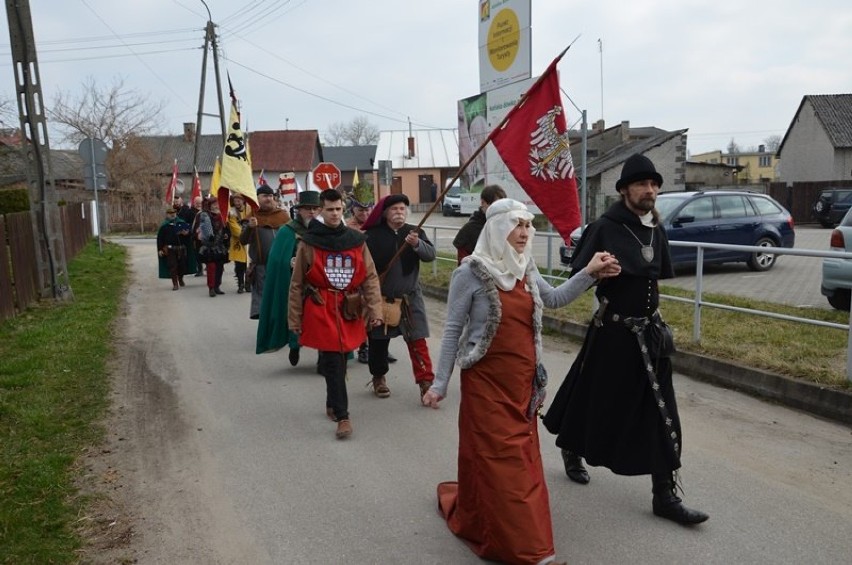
(380, 387)
(175, 282)
(344, 429)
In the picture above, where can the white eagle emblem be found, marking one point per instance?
(550, 157)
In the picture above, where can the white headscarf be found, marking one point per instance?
(506, 265)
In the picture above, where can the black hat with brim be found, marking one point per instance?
(638, 167)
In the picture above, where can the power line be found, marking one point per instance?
(157, 76)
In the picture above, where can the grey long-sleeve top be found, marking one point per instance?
(474, 311)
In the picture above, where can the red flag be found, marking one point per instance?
(196, 187)
(170, 191)
(533, 142)
(261, 180)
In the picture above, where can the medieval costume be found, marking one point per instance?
(237, 218)
(333, 284)
(499, 506)
(259, 239)
(272, 329)
(214, 235)
(400, 281)
(172, 240)
(617, 405)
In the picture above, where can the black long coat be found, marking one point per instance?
(605, 409)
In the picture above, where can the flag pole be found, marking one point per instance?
(481, 147)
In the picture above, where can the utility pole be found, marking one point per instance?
(44, 210)
(209, 43)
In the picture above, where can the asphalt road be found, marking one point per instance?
(227, 457)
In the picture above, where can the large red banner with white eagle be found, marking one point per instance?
(533, 143)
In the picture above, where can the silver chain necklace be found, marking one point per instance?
(646, 250)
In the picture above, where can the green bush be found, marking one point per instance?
(16, 199)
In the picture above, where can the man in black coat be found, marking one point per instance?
(466, 238)
(617, 405)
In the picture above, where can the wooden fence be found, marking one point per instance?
(19, 281)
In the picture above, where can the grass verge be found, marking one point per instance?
(813, 353)
(53, 392)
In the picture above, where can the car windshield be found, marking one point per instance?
(455, 190)
(666, 203)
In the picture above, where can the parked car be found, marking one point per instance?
(831, 205)
(837, 273)
(452, 201)
(729, 217)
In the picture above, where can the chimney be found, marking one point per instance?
(598, 126)
(761, 149)
(625, 131)
(410, 147)
(189, 131)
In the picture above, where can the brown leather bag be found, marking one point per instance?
(351, 307)
(392, 311)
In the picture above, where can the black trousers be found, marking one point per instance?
(378, 357)
(332, 366)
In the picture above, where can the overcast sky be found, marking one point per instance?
(723, 69)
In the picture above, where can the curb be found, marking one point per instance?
(818, 400)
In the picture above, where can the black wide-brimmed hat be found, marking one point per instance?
(637, 167)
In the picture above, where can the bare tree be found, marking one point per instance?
(772, 143)
(733, 147)
(356, 133)
(118, 116)
(112, 113)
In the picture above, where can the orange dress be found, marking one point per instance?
(500, 505)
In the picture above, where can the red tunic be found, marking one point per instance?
(333, 273)
(500, 504)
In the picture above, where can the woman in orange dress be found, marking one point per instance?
(499, 506)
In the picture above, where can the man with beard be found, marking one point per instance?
(171, 248)
(387, 233)
(259, 233)
(272, 330)
(616, 407)
(334, 283)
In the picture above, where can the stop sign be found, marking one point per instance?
(326, 175)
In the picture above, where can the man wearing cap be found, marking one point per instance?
(258, 233)
(272, 330)
(617, 405)
(387, 233)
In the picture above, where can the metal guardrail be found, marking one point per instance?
(697, 301)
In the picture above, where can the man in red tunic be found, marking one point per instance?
(334, 287)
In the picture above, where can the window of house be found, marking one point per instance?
(766, 160)
(731, 161)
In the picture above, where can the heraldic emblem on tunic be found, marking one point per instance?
(339, 270)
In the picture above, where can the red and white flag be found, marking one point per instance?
(533, 142)
(170, 191)
(196, 187)
(261, 180)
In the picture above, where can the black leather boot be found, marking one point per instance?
(574, 467)
(667, 504)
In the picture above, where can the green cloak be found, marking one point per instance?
(272, 330)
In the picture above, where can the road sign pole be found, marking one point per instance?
(97, 204)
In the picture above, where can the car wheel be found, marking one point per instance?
(762, 261)
(826, 223)
(841, 299)
(444, 212)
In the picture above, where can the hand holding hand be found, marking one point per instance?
(603, 265)
(431, 399)
(252, 222)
